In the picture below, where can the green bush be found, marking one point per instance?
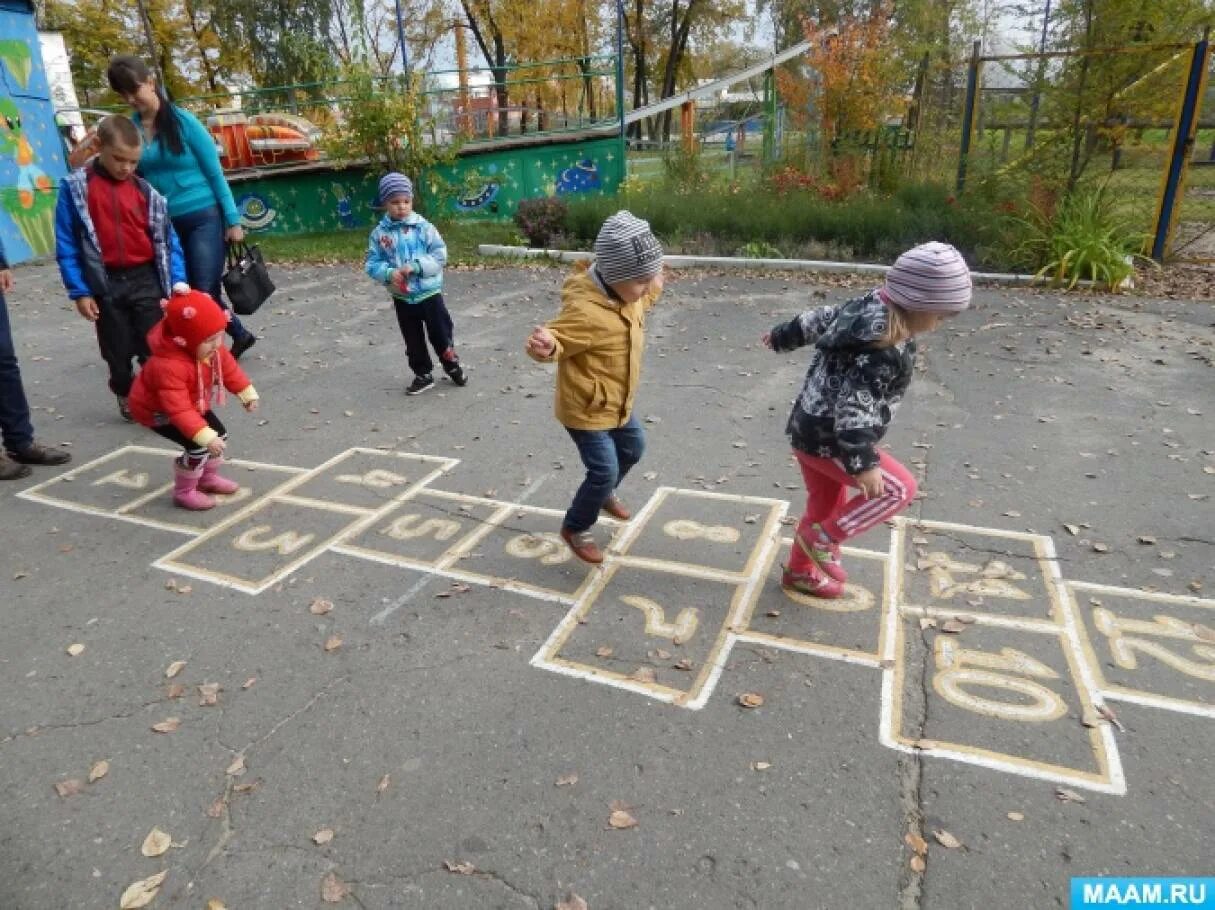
(1085, 238)
(541, 219)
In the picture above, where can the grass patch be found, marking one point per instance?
(462, 238)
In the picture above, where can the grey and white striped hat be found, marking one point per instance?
(931, 276)
(626, 249)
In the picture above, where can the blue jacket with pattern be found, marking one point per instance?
(79, 252)
(415, 242)
(852, 387)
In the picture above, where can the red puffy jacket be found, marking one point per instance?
(176, 387)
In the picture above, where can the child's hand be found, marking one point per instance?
(659, 281)
(87, 307)
(541, 342)
(767, 340)
(399, 277)
(871, 483)
(251, 406)
(216, 446)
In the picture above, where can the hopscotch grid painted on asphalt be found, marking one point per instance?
(963, 678)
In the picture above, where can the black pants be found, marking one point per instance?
(190, 447)
(127, 313)
(428, 319)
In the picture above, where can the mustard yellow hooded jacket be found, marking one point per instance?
(600, 343)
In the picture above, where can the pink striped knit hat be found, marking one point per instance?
(931, 276)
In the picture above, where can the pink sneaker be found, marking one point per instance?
(812, 581)
(824, 551)
(185, 489)
(211, 482)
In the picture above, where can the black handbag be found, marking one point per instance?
(246, 281)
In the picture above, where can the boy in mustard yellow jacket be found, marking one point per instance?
(597, 341)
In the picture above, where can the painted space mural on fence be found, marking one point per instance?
(31, 153)
(487, 185)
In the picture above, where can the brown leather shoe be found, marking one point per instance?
(12, 470)
(616, 508)
(37, 453)
(583, 545)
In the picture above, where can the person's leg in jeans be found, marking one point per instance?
(202, 243)
(629, 441)
(599, 456)
(441, 332)
(411, 322)
(14, 409)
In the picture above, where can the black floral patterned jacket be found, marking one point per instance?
(852, 388)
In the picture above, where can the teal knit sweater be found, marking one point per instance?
(192, 180)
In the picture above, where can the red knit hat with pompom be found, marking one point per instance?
(190, 319)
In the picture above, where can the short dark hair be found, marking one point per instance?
(118, 130)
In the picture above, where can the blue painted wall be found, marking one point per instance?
(31, 153)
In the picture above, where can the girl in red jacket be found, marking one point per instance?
(189, 368)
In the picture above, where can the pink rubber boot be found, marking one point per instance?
(211, 482)
(185, 489)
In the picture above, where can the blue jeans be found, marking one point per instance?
(202, 242)
(607, 455)
(14, 409)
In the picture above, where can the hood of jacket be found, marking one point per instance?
(857, 324)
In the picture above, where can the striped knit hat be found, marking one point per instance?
(932, 276)
(394, 184)
(626, 248)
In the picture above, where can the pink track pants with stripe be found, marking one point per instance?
(828, 503)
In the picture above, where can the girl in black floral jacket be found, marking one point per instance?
(863, 361)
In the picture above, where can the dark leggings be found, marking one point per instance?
(192, 453)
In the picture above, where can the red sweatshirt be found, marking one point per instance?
(120, 217)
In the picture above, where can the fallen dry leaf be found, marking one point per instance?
(574, 903)
(75, 650)
(917, 863)
(248, 683)
(750, 700)
(333, 889)
(605, 651)
(383, 784)
(320, 607)
(168, 725)
(620, 820)
(760, 765)
(208, 694)
(459, 868)
(947, 840)
(174, 668)
(952, 626)
(156, 843)
(645, 674)
(1101, 548)
(98, 771)
(216, 809)
(142, 892)
(1090, 718)
(917, 844)
(216, 904)
(927, 622)
(247, 788)
(237, 768)
(567, 780)
(69, 787)
(661, 654)
(1146, 539)
(1108, 714)
(1016, 817)
(1068, 796)
(322, 837)
(175, 690)
(333, 642)
(684, 664)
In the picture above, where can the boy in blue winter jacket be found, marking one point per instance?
(118, 254)
(406, 254)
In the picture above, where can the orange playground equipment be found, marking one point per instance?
(258, 140)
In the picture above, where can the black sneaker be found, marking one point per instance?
(242, 344)
(39, 454)
(420, 384)
(456, 374)
(124, 409)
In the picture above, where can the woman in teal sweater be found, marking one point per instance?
(179, 159)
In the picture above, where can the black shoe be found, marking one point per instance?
(39, 454)
(125, 409)
(242, 344)
(13, 470)
(420, 384)
(456, 373)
